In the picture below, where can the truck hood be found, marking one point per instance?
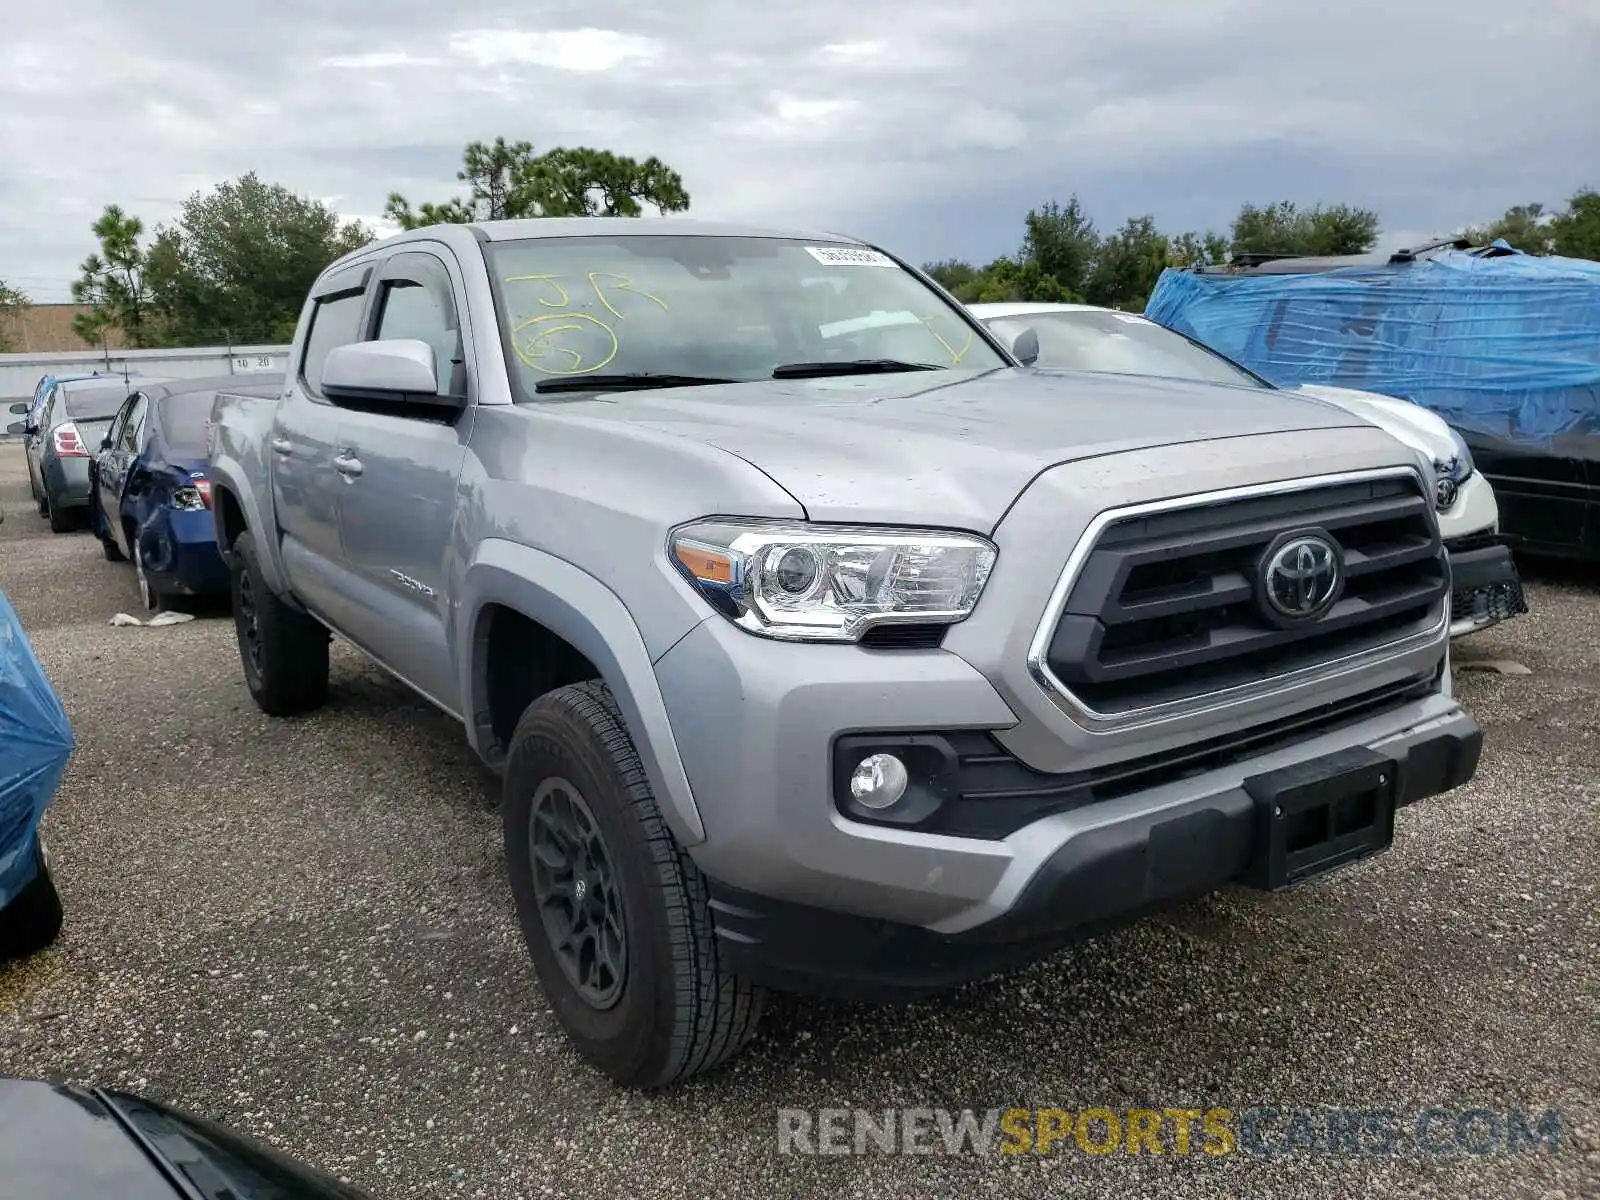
(1402, 420)
(934, 448)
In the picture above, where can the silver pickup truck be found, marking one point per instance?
(821, 647)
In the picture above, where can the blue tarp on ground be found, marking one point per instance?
(35, 743)
(1508, 346)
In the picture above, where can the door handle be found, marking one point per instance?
(348, 465)
(282, 446)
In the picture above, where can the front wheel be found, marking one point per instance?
(614, 913)
(284, 651)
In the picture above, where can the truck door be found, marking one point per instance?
(397, 496)
(302, 447)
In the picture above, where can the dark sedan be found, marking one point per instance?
(58, 445)
(151, 500)
(60, 1142)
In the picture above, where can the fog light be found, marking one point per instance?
(878, 781)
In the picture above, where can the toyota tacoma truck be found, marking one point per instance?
(819, 646)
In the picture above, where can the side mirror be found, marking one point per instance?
(401, 371)
(105, 442)
(17, 427)
(1018, 337)
(1025, 347)
(20, 409)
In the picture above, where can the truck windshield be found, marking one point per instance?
(716, 309)
(1125, 344)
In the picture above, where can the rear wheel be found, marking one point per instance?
(33, 919)
(284, 651)
(62, 520)
(148, 596)
(614, 913)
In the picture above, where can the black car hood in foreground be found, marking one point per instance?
(60, 1142)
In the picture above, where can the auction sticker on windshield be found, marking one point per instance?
(849, 256)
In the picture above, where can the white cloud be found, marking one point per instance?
(377, 60)
(565, 49)
(928, 126)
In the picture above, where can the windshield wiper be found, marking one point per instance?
(633, 379)
(858, 366)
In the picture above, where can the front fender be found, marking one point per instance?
(578, 608)
(226, 474)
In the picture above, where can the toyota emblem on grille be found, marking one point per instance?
(1301, 578)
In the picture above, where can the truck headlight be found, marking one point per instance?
(830, 583)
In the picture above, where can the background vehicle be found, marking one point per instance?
(75, 417)
(1485, 585)
(150, 500)
(1504, 346)
(59, 1141)
(819, 646)
(47, 384)
(35, 743)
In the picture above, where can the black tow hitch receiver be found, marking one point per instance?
(1318, 816)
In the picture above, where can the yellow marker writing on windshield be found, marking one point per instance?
(623, 284)
(955, 355)
(545, 340)
(550, 282)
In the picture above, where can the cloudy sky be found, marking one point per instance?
(928, 126)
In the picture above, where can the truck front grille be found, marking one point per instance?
(1170, 604)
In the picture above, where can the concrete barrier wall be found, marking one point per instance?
(19, 373)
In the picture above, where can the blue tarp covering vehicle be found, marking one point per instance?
(35, 743)
(1504, 346)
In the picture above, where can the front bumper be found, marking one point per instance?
(1485, 588)
(1101, 876)
(756, 723)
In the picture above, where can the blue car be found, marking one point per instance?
(150, 501)
(35, 743)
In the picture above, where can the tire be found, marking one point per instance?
(33, 919)
(675, 1012)
(62, 520)
(109, 549)
(148, 596)
(284, 651)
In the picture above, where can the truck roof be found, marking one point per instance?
(565, 227)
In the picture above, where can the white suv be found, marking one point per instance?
(1083, 337)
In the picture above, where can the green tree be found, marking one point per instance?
(240, 259)
(13, 302)
(1197, 250)
(508, 180)
(953, 274)
(1575, 233)
(1062, 242)
(1128, 264)
(1282, 227)
(1004, 280)
(113, 283)
(1524, 226)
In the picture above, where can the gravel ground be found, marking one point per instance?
(302, 928)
